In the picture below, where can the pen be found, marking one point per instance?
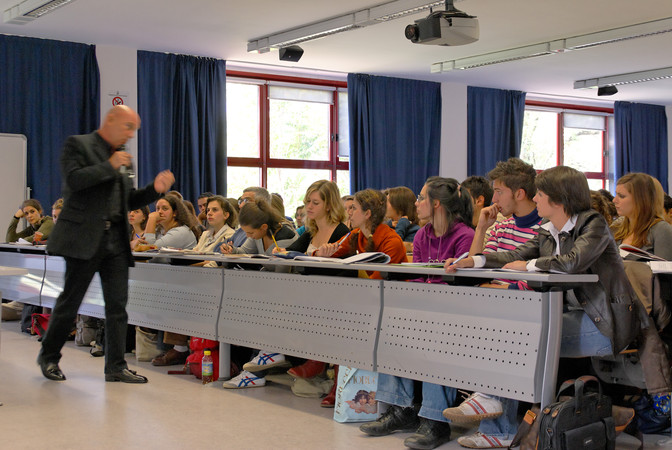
(274, 241)
(460, 258)
(340, 241)
(137, 235)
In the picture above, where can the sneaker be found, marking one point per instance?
(430, 434)
(474, 409)
(480, 440)
(265, 361)
(394, 419)
(245, 380)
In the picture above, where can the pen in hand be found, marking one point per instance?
(460, 258)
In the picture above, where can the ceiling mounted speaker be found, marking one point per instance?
(292, 53)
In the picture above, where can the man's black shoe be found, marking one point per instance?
(51, 370)
(126, 376)
(429, 435)
(394, 419)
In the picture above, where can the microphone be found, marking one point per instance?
(128, 170)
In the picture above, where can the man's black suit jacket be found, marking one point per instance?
(88, 180)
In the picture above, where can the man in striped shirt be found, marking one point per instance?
(513, 183)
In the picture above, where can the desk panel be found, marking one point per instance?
(180, 299)
(23, 288)
(477, 339)
(324, 318)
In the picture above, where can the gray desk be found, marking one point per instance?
(496, 341)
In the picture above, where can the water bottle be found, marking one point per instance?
(207, 369)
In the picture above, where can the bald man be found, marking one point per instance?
(92, 236)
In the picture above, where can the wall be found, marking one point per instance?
(118, 78)
(453, 161)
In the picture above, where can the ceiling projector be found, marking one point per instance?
(449, 27)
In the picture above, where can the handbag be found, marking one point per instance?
(40, 322)
(146, 344)
(581, 422)
(356, 395)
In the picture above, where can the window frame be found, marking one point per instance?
(561, 109)
(264, 161)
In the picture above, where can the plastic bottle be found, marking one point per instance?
(207, 369)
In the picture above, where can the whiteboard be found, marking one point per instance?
(13, 173)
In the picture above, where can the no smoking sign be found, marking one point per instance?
(117, 101)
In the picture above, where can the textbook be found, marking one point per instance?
(365, 257)
(634, 253)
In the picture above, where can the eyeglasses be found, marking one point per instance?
(421, 197)
(242, 200)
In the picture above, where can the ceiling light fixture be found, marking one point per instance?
(625, 78)
(29, 10)
(558, 46)
(358, 19)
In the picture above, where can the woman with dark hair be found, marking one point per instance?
(640, 201)
(137, 219)
(31, 209)
(221, 218)
(175, 225)
(402, 214)
(265, 229)
(447, 207)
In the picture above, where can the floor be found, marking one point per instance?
(171, 411)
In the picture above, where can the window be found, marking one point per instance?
(578, 137)
(284, 134)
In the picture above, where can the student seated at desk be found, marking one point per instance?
(37, 223)
(639, 200)
(324, 214)
(221, 219)
(137, 219)
(402, 214)
(447, 207)
(265, 229)
(600, 318)
(176, 226)
(56, 209)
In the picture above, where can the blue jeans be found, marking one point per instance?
(580, 337)
(399, 391)
(504, 426)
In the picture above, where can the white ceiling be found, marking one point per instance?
(221, 28)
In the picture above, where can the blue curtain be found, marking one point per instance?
(182, 105)
(494, 127)
(49, 90)
(395, 130)
(641, 140)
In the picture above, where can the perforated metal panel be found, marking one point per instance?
(175, 298)
(323, 318)
(22, 288)
(478, 339)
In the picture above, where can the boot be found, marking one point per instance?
(330, 400)
(396, 418)
(429, 435)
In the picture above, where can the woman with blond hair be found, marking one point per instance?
(639, 200)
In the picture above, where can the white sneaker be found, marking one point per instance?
(474, 409)
(244, 380)
(265, 361)
(480, 440)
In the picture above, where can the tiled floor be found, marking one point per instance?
(171, 411)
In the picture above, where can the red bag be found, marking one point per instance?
(40, 322)
(194, 363)
(197, 346)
